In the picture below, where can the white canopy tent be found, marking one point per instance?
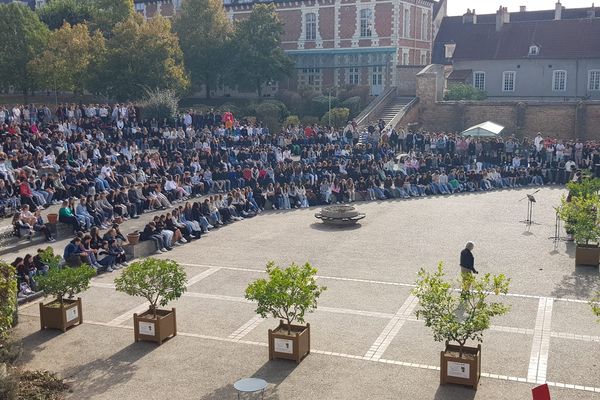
(486, 129)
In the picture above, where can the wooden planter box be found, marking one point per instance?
(462, 371)
(294, 347)
(55, 316)
(146, 327)
(587, 255)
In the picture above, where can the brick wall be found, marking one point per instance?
(560, 120)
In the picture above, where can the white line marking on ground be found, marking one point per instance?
(128, 314)
(545, 343)
(143, 307)
(540, 347)
(363, 358)
(392, 328)
(246, 328)
(202, 275)
(526, 296)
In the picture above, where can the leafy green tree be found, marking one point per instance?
(106, 14)
(66, 282)
(56, 12)
(159, 104)
(581, 216)
(288, 293)
(22, 38)
(65, 63)
(257, 54)
(462, 91)
(158, 281)
(454, 315)
(8, 299)
(141, 55)
(204, 30)
(337, 117)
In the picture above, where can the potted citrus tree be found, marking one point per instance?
(457, 316)
(159, 282)
(288, 294)
(581, 215)
(63, 283)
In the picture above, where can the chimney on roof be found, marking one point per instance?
(557, 11)
(592, 12)
(523, 8)
(502, 17)
(470, 17)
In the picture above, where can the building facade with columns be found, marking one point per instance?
(343, 42)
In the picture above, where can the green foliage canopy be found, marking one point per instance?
(22, 37)
(288, 293)
(158, 281)
(8, 299)
(61, 282)
(459, 316)
(204, 31)
(257, 56)
(463, 91)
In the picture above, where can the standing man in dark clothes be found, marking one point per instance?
(467, 261)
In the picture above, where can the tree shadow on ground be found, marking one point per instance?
(33, 343)
(454, 392)
(320, 226)
(274, 372)
(99, 375)
(582, 283)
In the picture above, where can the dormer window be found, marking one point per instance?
(449, 49)
(534, 50)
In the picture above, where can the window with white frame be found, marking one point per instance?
(508, 81)
(559, 81)
(479, 80)
(310, 78)
(353, 76)
(377, 76)
(594, 79)
(366, 22)
(425, 27)
(311, 26)
(534, 50)
(423, 58)
(406, 23)
(405, 57)
(139, 7)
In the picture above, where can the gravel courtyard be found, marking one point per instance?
(549, 335)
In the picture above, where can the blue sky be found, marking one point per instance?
(458, 7)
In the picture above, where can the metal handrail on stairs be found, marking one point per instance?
(394, 121)
(375, 106)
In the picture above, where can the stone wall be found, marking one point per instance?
(567, 120)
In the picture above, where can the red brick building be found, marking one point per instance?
(344, 42)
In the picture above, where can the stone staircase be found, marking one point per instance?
(394, 107)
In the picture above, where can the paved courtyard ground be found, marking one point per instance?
(366, 341)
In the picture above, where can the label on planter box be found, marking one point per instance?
(146, 328)
(72, 313)
(458, 370)
(284, 346)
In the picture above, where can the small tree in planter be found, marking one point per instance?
(159, 282)
(62, 283)
(458, 317)
(288, 294)
(580, 214)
